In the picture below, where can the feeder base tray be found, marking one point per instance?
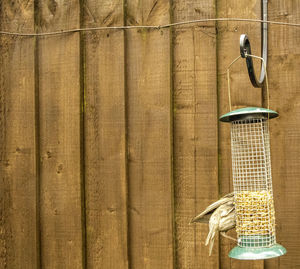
(248, 253)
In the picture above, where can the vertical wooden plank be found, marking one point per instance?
(18, 178)
(59, 92)
(284, 68)
(195, 131)
(149, 136)
(104, 125)
(242, 94)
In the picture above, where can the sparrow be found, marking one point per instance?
(222, 218)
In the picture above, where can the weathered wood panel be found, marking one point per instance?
(104, 136)
(18, 178)
(124, 91)
(284, 68)
(149, 136)
(195, 131)
(59, 106)
(242, 94)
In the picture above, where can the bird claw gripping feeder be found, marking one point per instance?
(252, 181)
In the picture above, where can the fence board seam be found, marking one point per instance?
(126, 114)
(37, 138)
(172, 145)
(82, 138)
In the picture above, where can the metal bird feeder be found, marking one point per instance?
(252, 183)
(252, 180)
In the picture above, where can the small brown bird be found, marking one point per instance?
(222, 218)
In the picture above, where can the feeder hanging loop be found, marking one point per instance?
(245, 50)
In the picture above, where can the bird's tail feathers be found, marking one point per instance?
(193, 220)
(225, 199)
(199, 217)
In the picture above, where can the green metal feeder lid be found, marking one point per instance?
(248, 112)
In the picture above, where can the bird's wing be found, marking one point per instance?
(227, 223)
(213, 206)
(226, 208)
(229, 195)
(213, 228)
(211, 245)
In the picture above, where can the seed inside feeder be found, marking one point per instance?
(255, 213)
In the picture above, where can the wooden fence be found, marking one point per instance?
(110, 140)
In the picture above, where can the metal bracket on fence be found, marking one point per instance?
(245, 49)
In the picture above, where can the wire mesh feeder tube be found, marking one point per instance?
(252, 183)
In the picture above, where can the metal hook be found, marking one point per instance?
(245, 49)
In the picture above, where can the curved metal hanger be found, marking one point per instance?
(245, 49)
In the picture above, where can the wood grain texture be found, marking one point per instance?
(195, 131)
(18, 178)
(144, 92)
(59, 92)
(149, 136)
(284, 67)
(104, 136)
(242, 95)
